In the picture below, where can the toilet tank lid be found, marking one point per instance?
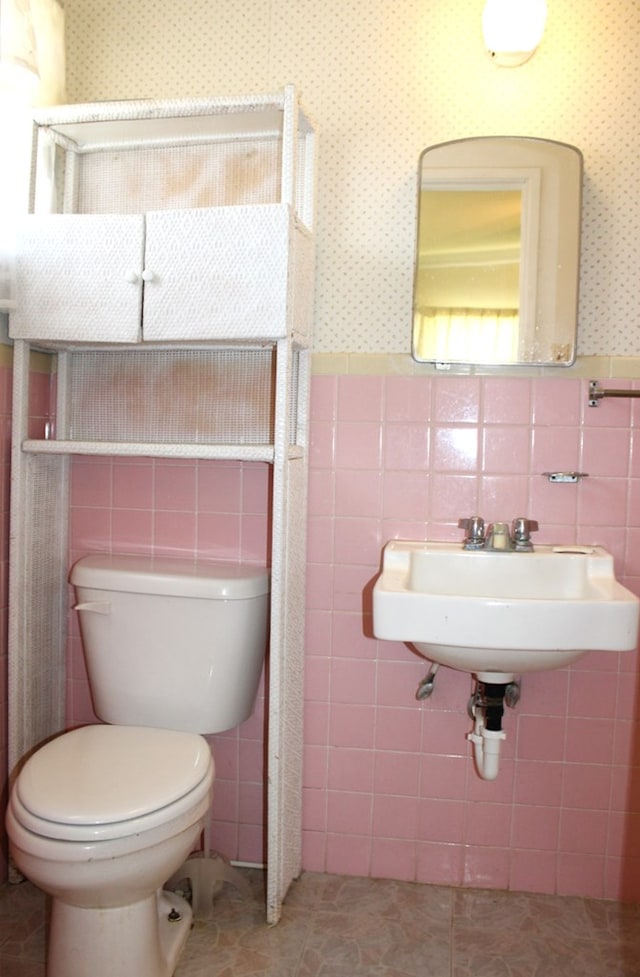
(168, 576)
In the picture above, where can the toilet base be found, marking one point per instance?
(140, 940)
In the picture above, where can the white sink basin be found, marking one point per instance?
(491, 612)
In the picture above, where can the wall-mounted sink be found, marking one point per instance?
(499, 614)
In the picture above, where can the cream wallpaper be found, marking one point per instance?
(383, 79)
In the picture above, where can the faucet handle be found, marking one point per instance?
(474, 529)
(521, 530)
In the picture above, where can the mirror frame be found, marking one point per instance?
(550, 176)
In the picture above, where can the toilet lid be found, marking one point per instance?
(99, 775)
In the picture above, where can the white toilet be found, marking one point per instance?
(99, 818)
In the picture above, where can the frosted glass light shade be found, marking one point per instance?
(513, 29)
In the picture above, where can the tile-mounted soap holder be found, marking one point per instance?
(567, 477)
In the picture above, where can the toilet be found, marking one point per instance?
(101, 817)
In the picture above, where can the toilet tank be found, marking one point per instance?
(172, 643)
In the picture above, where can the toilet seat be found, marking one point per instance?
(105, 782)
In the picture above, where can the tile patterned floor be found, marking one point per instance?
(335, 926)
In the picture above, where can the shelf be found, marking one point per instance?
(231, 452)
(92, 127)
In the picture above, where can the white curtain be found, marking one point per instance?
(32, 73)
(466, 335)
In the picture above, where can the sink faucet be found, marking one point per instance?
(474, 533)
(521, 530)
(499, 536)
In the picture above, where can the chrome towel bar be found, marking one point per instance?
(597, 393)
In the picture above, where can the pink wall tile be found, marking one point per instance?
(455, 449)
(532, 871)
(556, 401)
(348, 812)
(406, 446)
(398, 729)
(174, 532)
(491, 826)
(504, 494)
(393, 859)
(456, 399)
(439, 864)
(535, 828)
(91, 484)
(486, 868)
(408, 399)
(132, 485)
(505, 449)
(175, 486)
(538, 783)
(442, 821)
(323, 399)
(219, 487)
(348, 854)
(358, 445)
(352, 725)
(506, 400)
(444, 776)
(315, 776)
(360, 398)
(351, 770)
(395, 816)
(580, 875)
(405, 493)
(396, 773)
(555, 449)
(583, 831)
(541, 738)
(358, 493)
(390, 786)
(131, 530)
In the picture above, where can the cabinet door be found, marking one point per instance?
(219, 273)
(78, 278)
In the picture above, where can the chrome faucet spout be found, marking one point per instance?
(499, 537)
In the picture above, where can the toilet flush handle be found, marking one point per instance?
(97, 606)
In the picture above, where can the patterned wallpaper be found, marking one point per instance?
(384, 79)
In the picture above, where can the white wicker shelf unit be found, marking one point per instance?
(166, 270)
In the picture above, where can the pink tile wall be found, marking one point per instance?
(216, 510)
(389, 785)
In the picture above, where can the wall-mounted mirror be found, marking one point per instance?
(497, 252)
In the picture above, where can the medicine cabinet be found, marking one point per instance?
(497, 252)
(167, 270)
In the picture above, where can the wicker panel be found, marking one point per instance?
(72, 278)
(213, 274)
(286, 706)
(169, 396)
(168, 178)
(218, 274)
(37, 622)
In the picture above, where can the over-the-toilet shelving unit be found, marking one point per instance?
(167, 269)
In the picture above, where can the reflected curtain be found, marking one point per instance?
(466, 335)
(32, 73)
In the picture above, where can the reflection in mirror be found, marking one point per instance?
(497, 252)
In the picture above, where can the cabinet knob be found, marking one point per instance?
(131, 277)
(147, 276)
